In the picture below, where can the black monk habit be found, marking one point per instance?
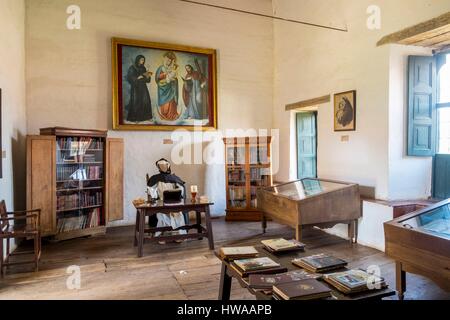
(140, 105)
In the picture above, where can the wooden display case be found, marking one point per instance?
(248, 167)
(76, 177)
(420, 244)
(312, 202)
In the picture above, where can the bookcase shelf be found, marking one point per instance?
(69, 177)
(247, 167)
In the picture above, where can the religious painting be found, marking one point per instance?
(345, 111)
(163, 87)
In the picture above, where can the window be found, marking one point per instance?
(443, 105)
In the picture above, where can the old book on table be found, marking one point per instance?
(267, 281)
(245, 267)
(320, 263)
(282, 245)
(354, 281)
(233, 253)
(308, 289)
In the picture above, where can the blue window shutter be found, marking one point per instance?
(422, 119)
(441, 176)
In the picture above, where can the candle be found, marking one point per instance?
(194, 189)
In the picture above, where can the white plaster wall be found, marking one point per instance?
(409, 177)
(12, 83)
(370, 226)
(69, 77)
(311, 62)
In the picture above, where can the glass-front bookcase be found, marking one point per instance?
(247, 167)
(79, 183)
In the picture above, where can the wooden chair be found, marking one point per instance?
(26, 225)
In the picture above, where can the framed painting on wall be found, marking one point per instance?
(345, 111)
(160, 86)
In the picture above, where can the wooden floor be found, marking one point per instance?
(110, 268)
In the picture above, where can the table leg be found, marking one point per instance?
(356, 231)
(264, 223)
(198, 221)
(141, 233)
(209, 228)
(225, 284)
(400, 280)
(136, 229)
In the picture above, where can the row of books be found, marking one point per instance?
(237, 193)
(236, 156)
(89, 220)
(258, 155)
(79, 144)
(76, 200)
(85, 173)
(236, 175)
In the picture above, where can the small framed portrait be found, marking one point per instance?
(345, 111)
(159, 86)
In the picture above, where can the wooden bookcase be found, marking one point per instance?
(248, 166)
(76, 177)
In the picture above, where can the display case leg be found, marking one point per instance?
(400, 280)
(298, 233)
(264, 223)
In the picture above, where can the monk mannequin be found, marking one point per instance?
(160, 182)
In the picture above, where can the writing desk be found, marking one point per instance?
(143, 234)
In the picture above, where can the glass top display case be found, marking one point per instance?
(312, 202)
(305, 188)
(420, 243)
(435, 222)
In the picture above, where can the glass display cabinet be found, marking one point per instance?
(420, 243)
(76, 177)
(312, 202)
(248, 167)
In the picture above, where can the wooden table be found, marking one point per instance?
(143, 234)
(227, 273)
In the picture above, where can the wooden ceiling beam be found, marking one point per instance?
(309, 103)
(422, 31)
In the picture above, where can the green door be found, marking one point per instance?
(306, 145)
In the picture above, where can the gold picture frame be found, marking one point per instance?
(150, 92)
(345, 111)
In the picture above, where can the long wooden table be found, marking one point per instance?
(228, 273)
(143, 234)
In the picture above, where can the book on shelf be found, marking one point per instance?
(233, 253)
(245, 267)
(320, 263)
(354, 281)
(91, 219)
(267, 281)
(282, 245)
(309, 289)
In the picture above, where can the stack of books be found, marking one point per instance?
(233, 253)
(320, 263)
(282, 245)
(245, 267)
(267, 281)
(309, 289)
(354, 281)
